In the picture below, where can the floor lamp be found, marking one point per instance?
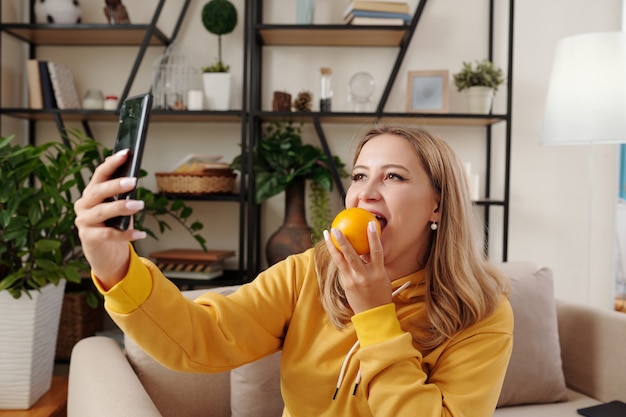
(586, 101)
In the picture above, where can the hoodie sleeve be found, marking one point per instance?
(463, 377)
(213, 333)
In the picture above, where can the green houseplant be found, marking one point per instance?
(219, 17)
(38, 242)
(482, 74)
(282, 163)
(40, 252)
(480, 81)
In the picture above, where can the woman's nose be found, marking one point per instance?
(369, 192)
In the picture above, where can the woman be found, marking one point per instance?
(419, 326)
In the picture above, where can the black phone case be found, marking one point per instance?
(131, 168)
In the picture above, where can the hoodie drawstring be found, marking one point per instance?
(354, 347)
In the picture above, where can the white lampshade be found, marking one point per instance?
(586, 100)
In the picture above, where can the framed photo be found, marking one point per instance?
(427, 92)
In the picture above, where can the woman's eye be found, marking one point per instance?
(396, 177)
(357, 177)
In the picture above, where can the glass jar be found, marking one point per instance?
(110, 102)
(173, 76)
(326, 90)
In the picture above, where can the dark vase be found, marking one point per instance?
(294, 236)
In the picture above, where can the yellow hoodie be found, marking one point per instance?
(280, 309)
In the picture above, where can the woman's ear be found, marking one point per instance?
(435, 214)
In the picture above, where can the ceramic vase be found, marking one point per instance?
(28, 336)
(304, 11)
(217, 90)
(57, 11)
(294, 236)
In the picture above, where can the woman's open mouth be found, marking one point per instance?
(382, 221)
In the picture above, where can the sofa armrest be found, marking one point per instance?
(102, 382)
(592, 349)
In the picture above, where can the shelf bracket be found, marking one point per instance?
(333, 166)
(404, 47)
(142, 52)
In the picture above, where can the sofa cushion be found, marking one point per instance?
(173, 391)
(535, 374)
(255, 388)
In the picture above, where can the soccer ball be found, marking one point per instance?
(57, 11)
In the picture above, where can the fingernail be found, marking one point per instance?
(121, 153)
(128, 182)
(138, 234)
(135, 205)
(326, 235)
(336, 232)
(372, 226)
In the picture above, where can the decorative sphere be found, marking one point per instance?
(57, 11)
(219, 17)
(362, 85)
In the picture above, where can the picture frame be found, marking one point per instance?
(427, 91)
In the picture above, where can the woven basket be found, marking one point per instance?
(78, 321)
(206, 182)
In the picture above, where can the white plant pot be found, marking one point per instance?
(217, 90)
(28, 336)
(479, 100)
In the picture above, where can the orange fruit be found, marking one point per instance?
(353, 224)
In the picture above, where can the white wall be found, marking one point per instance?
(552, 220)
(550, 217)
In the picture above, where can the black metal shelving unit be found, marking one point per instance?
(251, 116)
(378, 36)
(142, 37)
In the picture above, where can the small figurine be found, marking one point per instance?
(115, 12)
(282, 101)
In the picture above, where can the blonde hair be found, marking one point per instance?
(462, 287)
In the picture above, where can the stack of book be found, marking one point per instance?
(191, 263)
(377, 12)
(51, 86)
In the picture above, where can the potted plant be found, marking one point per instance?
(283, 163)
(480, 82)
(219, 17)
(40, 251)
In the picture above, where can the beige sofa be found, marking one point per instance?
(565, 357)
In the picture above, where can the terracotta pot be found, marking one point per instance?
(294, 236)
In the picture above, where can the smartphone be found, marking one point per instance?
(131, 134)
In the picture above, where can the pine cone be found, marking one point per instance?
(303, 101)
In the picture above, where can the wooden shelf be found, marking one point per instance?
(84, 35)
(331, 35)
(158, 116)
(447, 119)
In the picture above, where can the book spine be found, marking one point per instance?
(377, 7)
(63, 86)
(49, 101)
(366, 13)
(35, 97)
(373, 21)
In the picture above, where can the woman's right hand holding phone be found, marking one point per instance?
(106, 248)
